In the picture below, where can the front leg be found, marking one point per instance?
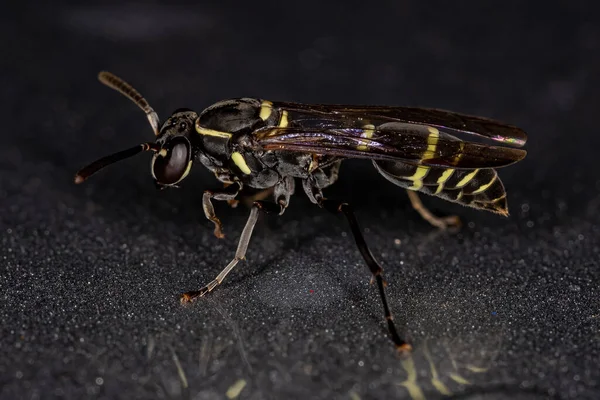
(240, 253)
(209, 210)
(283, 190)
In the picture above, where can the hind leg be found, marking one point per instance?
(312, 187)
(429, 180)
(450, 221)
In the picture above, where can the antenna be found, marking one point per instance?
(96, 166)
(118, 84)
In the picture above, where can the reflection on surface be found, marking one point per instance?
(438, 371)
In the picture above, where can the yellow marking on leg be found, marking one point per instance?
(466, 179)
(239, 161)
(460, 195)
(367, 134)
(417, 177)
(283, 122)
(211, 132)
(432, 141)
(266, 108)
(483, 188)
(442, 179)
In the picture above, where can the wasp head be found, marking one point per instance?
(173, 152)
(172, 163)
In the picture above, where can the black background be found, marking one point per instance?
(91, 274)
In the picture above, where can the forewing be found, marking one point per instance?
(335, 115)
(416, 144)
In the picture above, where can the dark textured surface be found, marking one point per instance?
(90, 275)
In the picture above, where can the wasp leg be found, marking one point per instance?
(209, 210)
(240, 253)
(283, 191)
(313, 188)
(374, 266)
(439, 222)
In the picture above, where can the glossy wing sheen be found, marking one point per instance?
(377, 115)
(410, 143)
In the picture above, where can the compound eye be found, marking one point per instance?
(172, 167)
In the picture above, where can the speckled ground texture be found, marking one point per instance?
(90, 275)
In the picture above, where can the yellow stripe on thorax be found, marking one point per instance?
(283, 122)
(369, 129)
(211, 132)
(266, 108)
(239, 161)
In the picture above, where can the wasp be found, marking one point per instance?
(268, 146)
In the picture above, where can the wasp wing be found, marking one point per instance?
(407, 142)
(334, 115)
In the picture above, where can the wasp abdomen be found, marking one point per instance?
(477, 188)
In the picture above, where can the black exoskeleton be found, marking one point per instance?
(264, 145)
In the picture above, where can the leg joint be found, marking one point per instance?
(268, 207)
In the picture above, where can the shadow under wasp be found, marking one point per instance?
(264, 145)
